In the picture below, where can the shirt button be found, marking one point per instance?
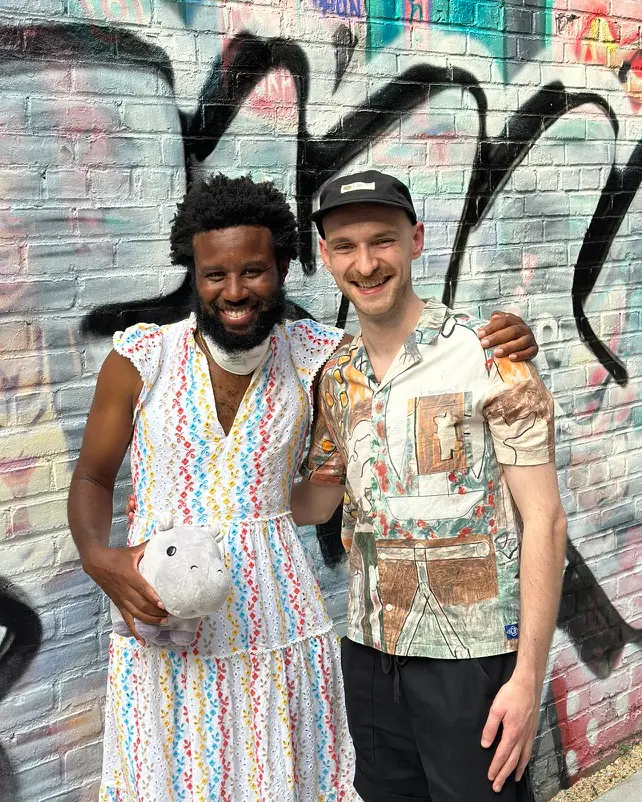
(388, 607)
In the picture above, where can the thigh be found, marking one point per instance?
(388, 765)
(449, 702)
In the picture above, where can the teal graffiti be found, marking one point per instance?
(485, 22)
(496, 24)
(385, 22)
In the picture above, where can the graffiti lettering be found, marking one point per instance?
(472, 134)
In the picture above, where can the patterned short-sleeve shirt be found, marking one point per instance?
(428, 518)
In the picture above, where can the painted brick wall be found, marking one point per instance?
(518, 125)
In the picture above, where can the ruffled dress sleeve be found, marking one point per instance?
(142, 344)
(311, 345)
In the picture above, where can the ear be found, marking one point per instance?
(283, 267)
(215, 532)
(418, 234)
(165, 520)
(325, 257)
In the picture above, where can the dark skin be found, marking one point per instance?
(233, 272)
(235, 268)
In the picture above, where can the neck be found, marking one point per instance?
(384, 336)
(240, 363)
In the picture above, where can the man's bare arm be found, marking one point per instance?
(314, 503)
(516, 706)
(105, 442)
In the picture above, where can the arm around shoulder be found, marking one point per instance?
(314, 503)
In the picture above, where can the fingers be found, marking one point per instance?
(144, 612)
(143, 595)
(148, 593)
(523, 760)
(129, 620)
(489, 732)
(503, 772)
(512, 348)
(130, 506)
(498, 322)
(509, 336)
(494, 335)
(130, 509)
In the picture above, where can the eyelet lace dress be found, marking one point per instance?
(253, 711)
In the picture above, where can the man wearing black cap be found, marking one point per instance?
(443, 452)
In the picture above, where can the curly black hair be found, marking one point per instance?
(221, 202)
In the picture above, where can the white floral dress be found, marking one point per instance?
(253, 711)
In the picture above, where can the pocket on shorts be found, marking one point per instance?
(495, 670)
(358, 666)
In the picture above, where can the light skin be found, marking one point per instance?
(369, 249)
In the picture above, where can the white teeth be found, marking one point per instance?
(369, 286)
(236, 313)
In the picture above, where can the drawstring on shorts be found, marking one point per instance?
(391, 662)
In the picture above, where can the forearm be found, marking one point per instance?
(313, 503)
(541, 569)
(89, 509)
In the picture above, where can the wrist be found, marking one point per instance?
(92, 558)
(528, 677)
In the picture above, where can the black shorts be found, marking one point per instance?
(425, 746)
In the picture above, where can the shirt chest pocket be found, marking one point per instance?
(437, 435)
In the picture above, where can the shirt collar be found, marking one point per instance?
(426, 331)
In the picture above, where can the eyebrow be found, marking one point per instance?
(387, 232)
(252, 263)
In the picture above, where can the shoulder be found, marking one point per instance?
(143, 344)
(310, 345)
(462, 321)
(311, 331)
(337, 360)
(148, 335)
(309, 340)
(460, 329)
(138, 336)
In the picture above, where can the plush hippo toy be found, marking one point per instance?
(185, 567)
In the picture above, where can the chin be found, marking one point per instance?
(377, 307)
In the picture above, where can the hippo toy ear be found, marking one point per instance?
(214, 530)
(165, 520)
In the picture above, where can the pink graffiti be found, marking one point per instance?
(607, 36)
(416, 11)
(593, 718)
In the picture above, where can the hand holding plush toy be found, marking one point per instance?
(185, 567)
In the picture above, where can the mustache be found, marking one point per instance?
(270, 312)
(377, 277)
(227, 307)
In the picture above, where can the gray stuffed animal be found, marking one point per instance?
(185, 567)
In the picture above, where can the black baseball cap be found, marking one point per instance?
(370, 186)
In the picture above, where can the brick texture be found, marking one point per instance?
(518, 126)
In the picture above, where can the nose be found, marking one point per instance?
(367, 262)
(235, 291)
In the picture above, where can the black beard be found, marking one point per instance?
(270, 313)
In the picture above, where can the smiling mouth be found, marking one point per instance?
(237, 316)
(369, 286)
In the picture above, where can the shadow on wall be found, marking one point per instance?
(588, 616)
(21, 636)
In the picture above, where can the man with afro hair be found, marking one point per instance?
(217, 409)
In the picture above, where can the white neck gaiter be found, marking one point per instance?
(241, 363)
